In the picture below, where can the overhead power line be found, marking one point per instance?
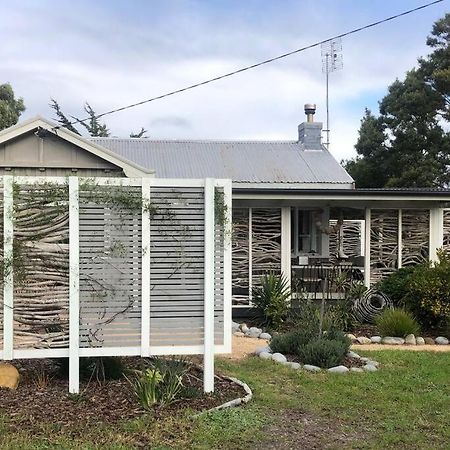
(261, 63)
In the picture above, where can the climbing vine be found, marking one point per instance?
(221, 213)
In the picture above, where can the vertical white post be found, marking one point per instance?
(208, 352)
(436, 231)
(8, 283)
(325, 237)
(74, 287)
(367, 249)
(286, 243)
(227, 266)
(145, 287)
(250, 255)
(362, 237)
(399, 239)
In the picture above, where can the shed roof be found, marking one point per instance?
(264, 163)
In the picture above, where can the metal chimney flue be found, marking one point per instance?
(310, 110)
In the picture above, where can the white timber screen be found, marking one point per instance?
(115, 267)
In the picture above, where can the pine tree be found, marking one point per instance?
(406, 145)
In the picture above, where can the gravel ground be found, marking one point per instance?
(244, 346)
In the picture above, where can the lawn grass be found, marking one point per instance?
(404, 405)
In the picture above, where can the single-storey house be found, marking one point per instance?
(294, 205)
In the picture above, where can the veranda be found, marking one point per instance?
(311, 236)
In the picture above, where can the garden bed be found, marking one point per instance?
(37, 403)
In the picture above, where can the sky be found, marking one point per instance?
(113, 53)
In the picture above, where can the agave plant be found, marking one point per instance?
(271, 300)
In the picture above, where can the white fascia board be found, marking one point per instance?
(331, 198)
(130, 168)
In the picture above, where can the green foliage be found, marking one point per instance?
(160, 383)
(61, 118)
(323, 352)
(395, 286)
(337, 315)
(288, 343)
(10, 107)
(221, 212)
(145, 384)
(422, 289)
(92, 123)
(308, 345)
(173, 371)
(140, 134)
(407, 144)
(428, 295)
(396, 322)
(271, 300)
(337, 335)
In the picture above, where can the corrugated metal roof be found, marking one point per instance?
(243, 162)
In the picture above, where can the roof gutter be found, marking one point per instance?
(340, 194)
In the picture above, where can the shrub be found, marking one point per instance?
(145, 384)
(428, 295)
(396, 285)
(288, 343)
(161, 383)
(271, 300)
(337, 335)
(396, 322)
(173, 371)
(323, 352)
(306, 317)
(339, 315)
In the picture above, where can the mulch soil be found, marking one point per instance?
(36, 403)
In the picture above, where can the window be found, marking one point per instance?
(306, 238)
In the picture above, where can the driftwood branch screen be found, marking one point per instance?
(115, 267)
(399, 238)
(256, 249)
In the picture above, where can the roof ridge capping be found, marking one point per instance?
(212, 141)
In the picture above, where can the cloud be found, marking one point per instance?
(170, 121)
(111, 54)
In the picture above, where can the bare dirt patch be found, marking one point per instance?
(296, 429)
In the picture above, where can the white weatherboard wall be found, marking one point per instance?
(153, 280)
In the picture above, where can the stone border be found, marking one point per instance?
(241, 329)
(369, 364)
(392, 340)
(232, 403)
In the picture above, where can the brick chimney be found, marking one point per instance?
(310, 132)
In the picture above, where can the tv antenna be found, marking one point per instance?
(331, 61)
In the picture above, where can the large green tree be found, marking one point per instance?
(93, 125)
(10, 107)
(406, 144)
